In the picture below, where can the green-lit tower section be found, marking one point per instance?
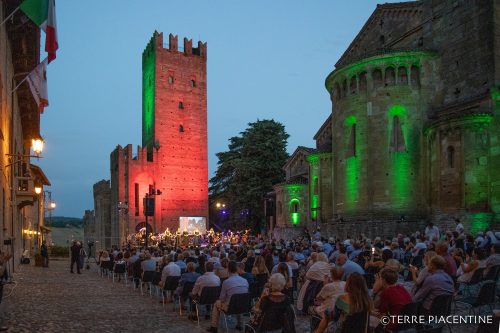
(148, 95)
(380, 107)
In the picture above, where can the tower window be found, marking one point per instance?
(181, 128)
(351, 149)
(193, 83)
(170, 79)
(398, 141)
(451, 156)
(181, 105)
(136, 198)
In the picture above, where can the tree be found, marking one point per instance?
(248, 170)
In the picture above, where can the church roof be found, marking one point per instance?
(327, 123)
(300, 149)
(364, 43)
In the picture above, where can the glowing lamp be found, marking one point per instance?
(38, 189)
(37, 146)
(217, 205)
(52, 205)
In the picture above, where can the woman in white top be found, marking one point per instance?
(333, 288)
(318, 271)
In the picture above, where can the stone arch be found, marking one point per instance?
(390, 76)
(415, 76)
(377, 78)
(362, 82)
(402, 75)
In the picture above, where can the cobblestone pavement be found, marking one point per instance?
(53, 300)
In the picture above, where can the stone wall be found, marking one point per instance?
(102, 208)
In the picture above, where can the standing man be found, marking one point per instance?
(75, 257)
(45, 254)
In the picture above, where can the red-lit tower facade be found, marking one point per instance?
(173, 156)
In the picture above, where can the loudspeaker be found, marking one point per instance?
(149, 206)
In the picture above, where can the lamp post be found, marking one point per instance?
(49, 206)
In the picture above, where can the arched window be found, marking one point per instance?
(362, 82)
(181, 128)
(351, 148)
(170, 79)
(294, 211)
(451, 156)
(390, 76)
(397, 140)
(193, 83)
(294, 205)
(377, 78)
(344, 88)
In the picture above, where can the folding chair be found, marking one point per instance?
(209, 295)
(147, 278)
(171, 283)
(120, 270)
(486, 297)
(238, 305)
(186, 289)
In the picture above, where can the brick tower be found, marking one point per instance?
(173, 156)
(174, 128)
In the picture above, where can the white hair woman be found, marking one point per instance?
(272, 301)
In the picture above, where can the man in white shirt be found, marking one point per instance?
(233, 285)
(169, 270)
(209, 279)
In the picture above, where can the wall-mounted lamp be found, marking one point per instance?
(37, 145)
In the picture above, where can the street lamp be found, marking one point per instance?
(37, 145)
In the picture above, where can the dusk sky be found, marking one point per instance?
(266, 59)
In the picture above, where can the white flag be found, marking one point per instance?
(37, 80)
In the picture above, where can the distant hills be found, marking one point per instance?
(64, 221)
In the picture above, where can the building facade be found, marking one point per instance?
(415, 123)
(171, 166)
(21, 208)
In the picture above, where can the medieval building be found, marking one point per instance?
(414, 132)
(22, 204)
(171, 167)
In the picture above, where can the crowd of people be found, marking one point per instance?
(344, 285)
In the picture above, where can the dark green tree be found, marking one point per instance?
(247, 171)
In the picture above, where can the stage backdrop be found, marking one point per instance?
(193, 223)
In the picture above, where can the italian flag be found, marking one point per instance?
(43, 13)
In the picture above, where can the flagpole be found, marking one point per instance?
(17, 86)
(10, 15)
(27, 75)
